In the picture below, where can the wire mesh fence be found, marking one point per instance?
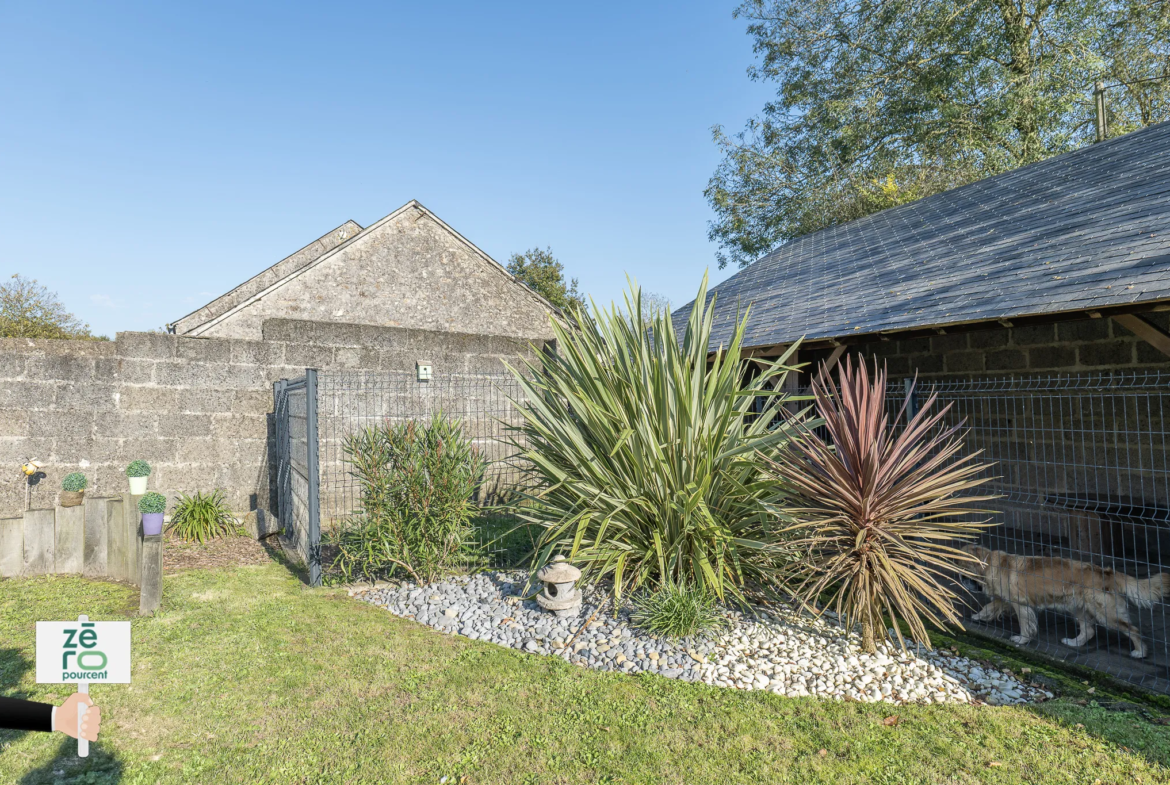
(349, 401)
(1076, 558)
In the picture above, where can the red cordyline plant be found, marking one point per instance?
(874, 511)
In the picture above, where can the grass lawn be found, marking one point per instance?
(247, 676)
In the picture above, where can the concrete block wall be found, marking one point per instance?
(197, 409)
(1065, 347)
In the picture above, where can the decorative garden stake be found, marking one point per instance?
(560, 595)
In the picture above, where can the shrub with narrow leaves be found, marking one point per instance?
(645, 451)
(678, 611)
(877, 510)
(416, 485)
(74, 482)
(203, 516)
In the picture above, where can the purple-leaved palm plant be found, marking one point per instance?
(874, 511)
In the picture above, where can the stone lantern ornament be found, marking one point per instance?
(560, 595)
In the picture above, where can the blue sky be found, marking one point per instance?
(155, 155)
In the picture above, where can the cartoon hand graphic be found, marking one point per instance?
(65, 718)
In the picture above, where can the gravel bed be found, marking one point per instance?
(778, 649)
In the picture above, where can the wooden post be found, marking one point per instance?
(97, 522)
(150, 596)
(38, 542)
(69, 545)
(132, 529)
(11, 547)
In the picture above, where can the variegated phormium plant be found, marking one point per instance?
(876, 510)
(646, 451)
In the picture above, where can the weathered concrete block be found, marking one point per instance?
(98, 518)
(125, 425)
(65, 368)
(39, 537)
(303, 356)
(205, 400)
(12, 365)
(259, 353)
(239, 426)
(260, 524)
(124, 369)
(27, 394)
(204, 349)
(149, 399)
(11, 547)
(151, 450)
(155, 346)
(183, 425)
(252, 401)
(14, 423)
(69, 542)
(88, 396)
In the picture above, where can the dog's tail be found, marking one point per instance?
(1145, 593)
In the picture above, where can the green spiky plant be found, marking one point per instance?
(876, 509)
(645, 451)
(678, 611)
(74, 482)
(203, 516)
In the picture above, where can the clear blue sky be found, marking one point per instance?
(155, 155)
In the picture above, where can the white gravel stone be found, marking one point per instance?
(780, 650)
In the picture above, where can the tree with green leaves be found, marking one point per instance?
(29, 310)
(542, 273)
(880, 102)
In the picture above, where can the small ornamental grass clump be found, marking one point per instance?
(676, 611)
(74, 482)
(152, 502)
(138, 469)
(876, 510)
(417, 482)
(203, 516)
(645, 451)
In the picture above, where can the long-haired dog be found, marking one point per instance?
(1093, 595)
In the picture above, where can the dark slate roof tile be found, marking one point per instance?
(1089, 228)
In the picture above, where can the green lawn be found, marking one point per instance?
(247, 676)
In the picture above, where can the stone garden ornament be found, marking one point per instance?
(560, 593)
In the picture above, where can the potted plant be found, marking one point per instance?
(152, 506)
(138, 471)
(73, 489)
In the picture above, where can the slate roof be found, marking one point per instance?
(1080, 231)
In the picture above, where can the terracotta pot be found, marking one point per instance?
(152, 523)
(137, 486)
(71, 498)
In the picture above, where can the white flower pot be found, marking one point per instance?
(137, 485)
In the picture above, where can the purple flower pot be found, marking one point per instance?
(152, 523)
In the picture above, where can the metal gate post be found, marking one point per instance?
(314, 477)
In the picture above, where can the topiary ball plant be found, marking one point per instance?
(138, 469)
(74, 482)
(73, 489)
(152, 503)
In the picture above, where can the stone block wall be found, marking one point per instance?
(1065, 347)
(197, 409)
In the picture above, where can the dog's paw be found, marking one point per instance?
(1070, 642)
(1020, 640)
(1138, 654)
